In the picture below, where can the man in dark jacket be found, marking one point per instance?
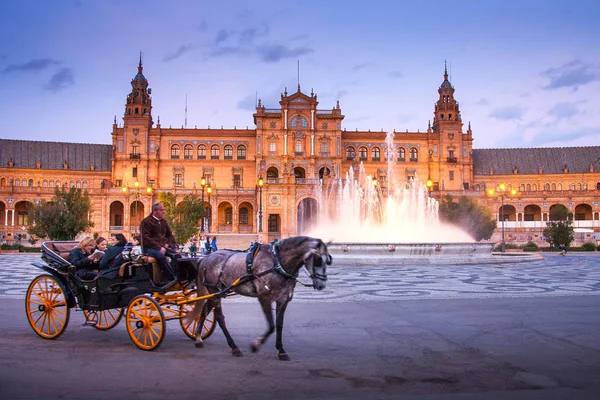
(157, 239)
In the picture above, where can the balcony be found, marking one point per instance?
(274, 180)
(452, 160)
(134, 156)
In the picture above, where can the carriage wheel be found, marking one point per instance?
(106, 319)
(145, 322)
(189, 328)
(46, 306)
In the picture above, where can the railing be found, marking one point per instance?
(188, 157)
(134, 156)
(272, 110)
(246, 228)
(274, 180)
(298, 153)
(201, 157)
(174, 157)
(324, 112)
(414, 159)
(115, 228)
(214, 157)
(225, 228)
(452, 160)
(306, 181)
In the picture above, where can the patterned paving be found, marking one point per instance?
(574, 274)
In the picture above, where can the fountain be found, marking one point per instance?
(369, 224)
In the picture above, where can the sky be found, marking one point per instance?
(526, 72)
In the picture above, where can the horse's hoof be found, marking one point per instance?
(255, 346)
(284, 357)
(237, 353)
(199, 344)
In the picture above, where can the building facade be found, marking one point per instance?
(293, 148)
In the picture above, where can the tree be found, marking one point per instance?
(183, 218)
(63, 218)
(559, 230)
(469, 215)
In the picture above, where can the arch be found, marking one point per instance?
(2, 213)
(528, 187)
(51, 183)
(298, 121)
(308, 211)
(298, 147)
(299, 172)
(201, 152)
(241, 152)
(188, 152)
(507, 213)
(45, 183)
(551, 208)
(2, 182)
(597, 185)
(23, 213)
(547, 187)
(225, 217)
(414, 154)
(84, 184)
(534, 187)
(553, 187)
(559, 186)
(401, 154)
(116, 215)
(532, 212)
(78, 184)
(30, 183)
(175, 149)
(215, 152)
(136, 214)
(351, 153)
(272, 173)
(228, 152)
(17, 182)
(363, 153)
(245, 217)
(583, 212)
(324, 171)
(375, 154)
(72, 184)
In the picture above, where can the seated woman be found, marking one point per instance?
(111, 254)
(83, 260)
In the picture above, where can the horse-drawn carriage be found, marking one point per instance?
(132, 289)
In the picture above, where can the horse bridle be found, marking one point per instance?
(318, 254)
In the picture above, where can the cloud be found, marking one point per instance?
(358, 67)
(31, 66)
(557, 136)
(248, 103)
(222, 36)
(508, 113)
(203, 26)
(564, 110)
(572, 74)
(61, 80)
(224, 51)
(276, 52)
(340, 94)
(483, 102)
(395, 74)
(178, 53)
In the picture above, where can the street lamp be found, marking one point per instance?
(202, 184)
(209, 191)
(136, 193)
(261, 182)
(501, 193)
(429, 185)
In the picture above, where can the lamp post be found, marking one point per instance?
(209, 191)
(429, 185)
(501, 193)
(202, 184)
(261, 182)
(136, 193)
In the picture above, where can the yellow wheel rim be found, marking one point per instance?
(145, 323)
(46, 307)
(189, 327)
(105, 319)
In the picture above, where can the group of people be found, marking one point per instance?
(204, 246)
(91, 256)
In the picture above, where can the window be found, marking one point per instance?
(134, 172)
(298, 147)
(71, 184)
(175, 151)
(188, 152)
(78, 185)
(118, 183)
(299, 122)
(451, 175)
(389, 156)
(151, 146)
(243, 216)
(237, 180)
(324, 147)
(273, 223)
(350, 153)
(228, 152)
(214, 152)
(414, 154)
(401, 154)
(547, 187)
(228, 216)
(435, 150)
(84, 185)
(135, 149)
(30, 183)
(44, 183)
(51, 183)
(241, 152)
(178, 179)
(553, 186)
(120, 146)
(273, 125)
(22, 218)
(528, 187)
(362, 153)
(375, 154)
(202, 152)
(272, 147)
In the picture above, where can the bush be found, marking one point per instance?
(30, 249)
(506, 246)
(588, 246)
(6, 246)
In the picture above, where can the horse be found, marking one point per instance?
(267, 272)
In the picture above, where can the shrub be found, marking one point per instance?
(588, 246)
(6, 246)
(30, 249)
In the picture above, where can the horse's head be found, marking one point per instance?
(316, 264)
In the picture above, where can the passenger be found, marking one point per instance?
(112, 253)
(83, 260)
(157, 239)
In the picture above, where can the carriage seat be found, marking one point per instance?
(156, 272)
(62, 248)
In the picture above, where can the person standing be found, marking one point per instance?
(157, 240)
(213, 244)
(207, 245)
(193, 248)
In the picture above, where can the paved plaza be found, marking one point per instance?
(574, 274)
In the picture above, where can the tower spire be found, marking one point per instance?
(140, 68)
(445, 71)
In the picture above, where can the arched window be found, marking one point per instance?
(188, 152)
(389, 155)
(228, 152)
(522, 188)
(350, 153)
(228, 216)
(175, 149)
(414, 154)
(534, 187)
(243, 216)
(324, 147)
(51, 183)
(78, 185)
(84, 184)
(559, 186)
(363, 153)
(528, 187)
(578, 186)
(72, 184)
(298, 122)
(401, 154)
(17, 182)
(553, 187)
(298, 147)
(202, 152)
(375, 154)
(547, 187)
(45, 183)
(214, 152)
(3, 182)
(272, 173)
(272, 147)
(241, 152)
(30, 183)
(585, 186)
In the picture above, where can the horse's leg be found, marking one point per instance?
(221, 320)
(199, 342)
(266, 307)
(280, 312)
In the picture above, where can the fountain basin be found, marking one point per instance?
(423, 253)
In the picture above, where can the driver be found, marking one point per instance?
(157, 239)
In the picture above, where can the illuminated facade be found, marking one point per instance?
(293, 148)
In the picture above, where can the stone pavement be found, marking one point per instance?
(574, 274)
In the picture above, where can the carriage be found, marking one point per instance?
(132, 290)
